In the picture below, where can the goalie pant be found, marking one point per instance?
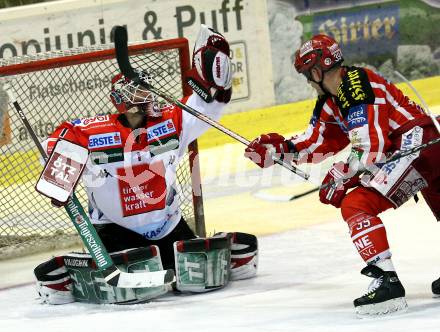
(394, 184)
(202, 265)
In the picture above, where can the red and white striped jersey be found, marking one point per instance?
(366, 111)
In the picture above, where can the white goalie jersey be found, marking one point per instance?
(130, 176)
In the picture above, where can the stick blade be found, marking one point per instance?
(121, 279)
(145, 279)
(121, 48)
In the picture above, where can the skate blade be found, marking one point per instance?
(397, 305)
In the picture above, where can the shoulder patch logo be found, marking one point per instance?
(355, 85)
(355, 89)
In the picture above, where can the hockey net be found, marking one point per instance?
(66, 85)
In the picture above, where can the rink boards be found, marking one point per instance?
(238, 195)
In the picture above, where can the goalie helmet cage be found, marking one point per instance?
(59, 86)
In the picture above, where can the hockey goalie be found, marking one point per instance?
(130, 175)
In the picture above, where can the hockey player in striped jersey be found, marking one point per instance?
(359, 107)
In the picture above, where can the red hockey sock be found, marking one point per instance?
(360, 209)
(369, 237)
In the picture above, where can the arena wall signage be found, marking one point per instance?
(66, 24)
(387, 35)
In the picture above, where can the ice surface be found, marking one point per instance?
(307, 281)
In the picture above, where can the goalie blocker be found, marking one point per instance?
(202, 265)
(62, 171)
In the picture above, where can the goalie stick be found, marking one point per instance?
(121, 48)
(112, 275)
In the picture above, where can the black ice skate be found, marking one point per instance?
(385, 293)
(436, 287)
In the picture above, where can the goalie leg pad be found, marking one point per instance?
(75, 277)
(54, 285)
(202, 264)
(244, 256)
(89, 284)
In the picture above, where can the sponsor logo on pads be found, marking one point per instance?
(76, 262)
(105, 140)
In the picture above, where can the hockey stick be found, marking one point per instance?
(112, 275)
(304, 193)
(398, 155)
(434, 120)
(276, 198)
(121, 48)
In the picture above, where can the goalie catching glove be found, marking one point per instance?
(211, 73)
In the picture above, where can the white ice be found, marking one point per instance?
(307, 281)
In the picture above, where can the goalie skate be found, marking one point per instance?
(385, 295)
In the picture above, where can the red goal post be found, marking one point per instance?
(65, 85)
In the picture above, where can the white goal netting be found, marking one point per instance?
(66, 85)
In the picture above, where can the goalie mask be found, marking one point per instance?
(129, 96)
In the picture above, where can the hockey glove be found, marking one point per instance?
(211, 73)
(261, 149)
(336, 183)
